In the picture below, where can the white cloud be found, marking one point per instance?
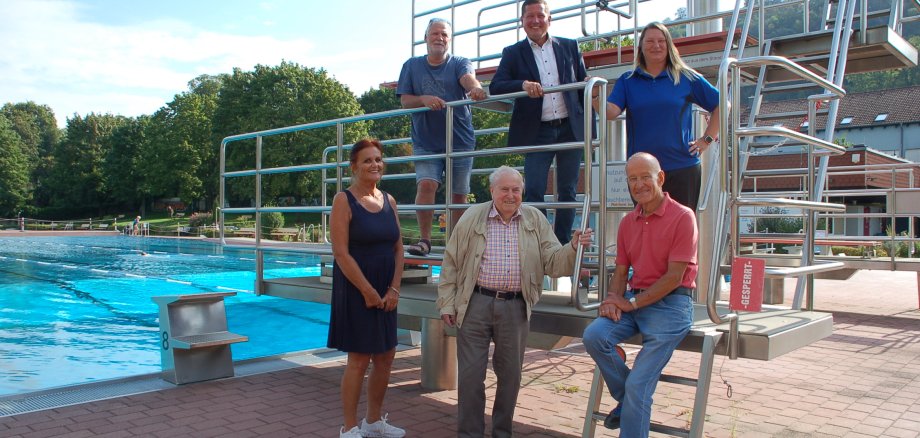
(52, 58)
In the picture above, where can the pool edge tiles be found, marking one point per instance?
(58, 397)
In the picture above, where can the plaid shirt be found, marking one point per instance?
(501, 263)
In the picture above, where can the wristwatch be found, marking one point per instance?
(632, 300)
(709, 139)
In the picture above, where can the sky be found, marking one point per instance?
(131, 57)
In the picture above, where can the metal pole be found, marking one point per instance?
(258, 234)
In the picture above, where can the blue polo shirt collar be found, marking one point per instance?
(664, 74)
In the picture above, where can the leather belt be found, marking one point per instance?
(498, 294)
(555, 122)
(679, 291)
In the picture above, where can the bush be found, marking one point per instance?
(272, 220)
(847, 250)
(200, 219)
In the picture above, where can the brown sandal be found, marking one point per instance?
(422, 248)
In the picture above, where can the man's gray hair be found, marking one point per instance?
(437, 20)
(503, 171)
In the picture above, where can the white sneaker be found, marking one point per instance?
(353, 433)
(381, 429)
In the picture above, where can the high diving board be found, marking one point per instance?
(763, 336)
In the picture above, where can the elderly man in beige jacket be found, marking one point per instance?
(491, 277)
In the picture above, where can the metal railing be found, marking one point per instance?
(258, 171)
(901, 178)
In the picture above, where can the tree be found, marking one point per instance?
(384, 99)
(181, 157)
(276, 97)
(77, 180)
(14, 176)
(782, 223)
(123, 166)
(37, 128)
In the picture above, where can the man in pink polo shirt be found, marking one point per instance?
(658, 241)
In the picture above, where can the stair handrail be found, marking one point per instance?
(729, 85)
(601, 223)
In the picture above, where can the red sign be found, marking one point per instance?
(747, 284)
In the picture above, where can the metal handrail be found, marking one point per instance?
(339, 165)
(602, 194)
(730, 76)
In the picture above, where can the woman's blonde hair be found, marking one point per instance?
(674, 64)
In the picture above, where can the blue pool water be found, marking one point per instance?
(79, 309)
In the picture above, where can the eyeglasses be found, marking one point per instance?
(644, 179)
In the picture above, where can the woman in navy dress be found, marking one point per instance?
(368, 253)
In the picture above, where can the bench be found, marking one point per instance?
(245, 232)
(103, 226)
(85, 227)
(285, 233)
(69, 226)
(796, 248)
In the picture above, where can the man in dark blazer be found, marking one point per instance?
(538, 62)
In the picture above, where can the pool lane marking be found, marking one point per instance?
(233, 289)
(126, 274)
(188, 283)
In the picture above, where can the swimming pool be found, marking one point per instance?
(79, 309)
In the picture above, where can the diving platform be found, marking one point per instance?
(554, 321)
(883, 50)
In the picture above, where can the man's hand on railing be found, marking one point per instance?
(533, 89)
(433, 102)
(585, 238)
(478, 93)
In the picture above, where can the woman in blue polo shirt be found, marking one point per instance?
(657, 97)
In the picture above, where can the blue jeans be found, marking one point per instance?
(662, 325)
(568, 163)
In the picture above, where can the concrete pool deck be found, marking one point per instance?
(862, 381)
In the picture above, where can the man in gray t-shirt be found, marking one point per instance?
(431, 81)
